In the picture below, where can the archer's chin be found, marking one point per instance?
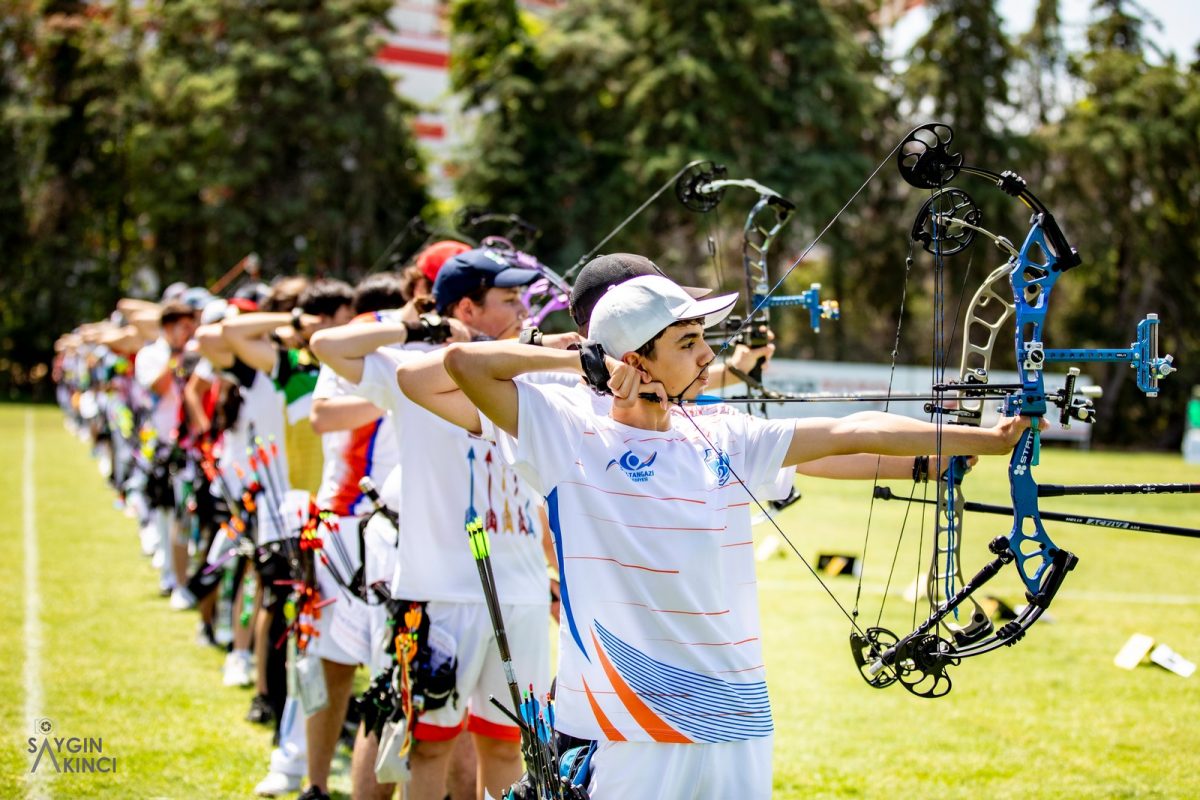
(696, 389)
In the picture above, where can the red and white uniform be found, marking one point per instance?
(659, 640)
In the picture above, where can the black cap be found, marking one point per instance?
(473, 270)
(604, 272)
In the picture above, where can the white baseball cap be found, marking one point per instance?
(632, 313)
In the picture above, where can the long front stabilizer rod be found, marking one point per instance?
(885, 493)
(1058, 490)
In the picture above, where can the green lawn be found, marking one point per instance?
(117, 663)
(1051, 717)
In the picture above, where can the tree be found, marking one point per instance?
(179, 136)
(1043, 59)
(581, 114)
(67, 68)
(1126, 154)
(271, 129)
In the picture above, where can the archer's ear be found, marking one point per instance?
(461, 310)
(637, 362)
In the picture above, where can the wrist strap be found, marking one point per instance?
(595, 371)
(428, 328)
(920, 469)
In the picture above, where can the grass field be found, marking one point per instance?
(1051, 717)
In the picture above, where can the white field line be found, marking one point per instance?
(34, 701)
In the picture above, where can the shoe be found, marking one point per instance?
(237, 669)
(261, 713)
(314, 793)
(204, 635)
(277, 783)
(159, 558)
(166, 586)
(182, 599)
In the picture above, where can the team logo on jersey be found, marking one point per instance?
(718, 464)
(632, 465)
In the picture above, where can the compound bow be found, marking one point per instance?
(700, 188)
(1021, 288)
(946, 224)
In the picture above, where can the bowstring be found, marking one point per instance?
(952, 491)
(713, 236)
(807, 564)
(938, 375)
(953, 533)
(908, 264)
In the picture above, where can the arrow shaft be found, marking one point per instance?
(708, 399)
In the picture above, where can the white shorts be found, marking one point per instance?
(360, 631)
(650, 770)
(348, 627)
(479, 674)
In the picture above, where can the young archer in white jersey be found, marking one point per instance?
(653, 652)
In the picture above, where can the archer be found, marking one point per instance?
(652, 660)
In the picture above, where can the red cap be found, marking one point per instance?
(431, 258)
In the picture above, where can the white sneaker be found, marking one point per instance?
(159, 558)
(182, 599)
(237, 670)
(277, 783)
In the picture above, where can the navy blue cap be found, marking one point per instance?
(476, 269)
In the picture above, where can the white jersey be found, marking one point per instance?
(260, 417)
(368, 450)
(150, 363)
(660, 638)
(450, 476)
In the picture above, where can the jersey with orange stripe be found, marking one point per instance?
(349, 455)
(659, 638)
